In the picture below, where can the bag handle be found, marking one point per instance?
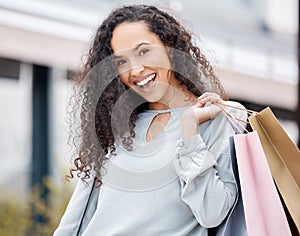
(235, 121)
(86, 207)
(249, 112)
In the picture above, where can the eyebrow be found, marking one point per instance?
(134, 49)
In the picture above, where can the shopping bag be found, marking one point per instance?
(263, 209)
(264, 213)
(283, 158)
(234, 224)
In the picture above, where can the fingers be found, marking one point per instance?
(209, 97)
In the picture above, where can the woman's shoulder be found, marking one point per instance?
(235, 109)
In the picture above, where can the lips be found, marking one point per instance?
(146, 81)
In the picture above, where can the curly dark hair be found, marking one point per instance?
(94, 137)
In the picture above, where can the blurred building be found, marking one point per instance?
(252, 43)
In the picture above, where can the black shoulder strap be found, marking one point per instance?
(85, 209)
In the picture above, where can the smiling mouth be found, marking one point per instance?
(145, 83)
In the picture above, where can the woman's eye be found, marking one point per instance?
(120, 62)
(143, 52)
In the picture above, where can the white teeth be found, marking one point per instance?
(145, 81)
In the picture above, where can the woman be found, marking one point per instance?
(151, 132)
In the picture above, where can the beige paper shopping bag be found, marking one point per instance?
(283, 158)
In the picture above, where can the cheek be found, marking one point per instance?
(124, 78)
(158, 59)
(166, 62)
(164, 75)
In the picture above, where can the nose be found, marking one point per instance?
(136, 68)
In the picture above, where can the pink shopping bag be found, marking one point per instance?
(264, 213)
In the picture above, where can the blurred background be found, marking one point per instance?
(253, 44)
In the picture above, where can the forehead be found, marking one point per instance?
(129, 34)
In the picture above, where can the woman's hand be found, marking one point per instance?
(203, 110)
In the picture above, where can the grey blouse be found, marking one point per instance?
(168, 186)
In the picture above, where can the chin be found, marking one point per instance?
(150, 100)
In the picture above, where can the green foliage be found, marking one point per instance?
(14, 216)
(16, 210)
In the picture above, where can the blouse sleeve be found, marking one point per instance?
(70, 221)
(207, 181)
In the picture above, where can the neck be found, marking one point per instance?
(177, 96)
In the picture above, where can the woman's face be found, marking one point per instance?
(142, 61)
